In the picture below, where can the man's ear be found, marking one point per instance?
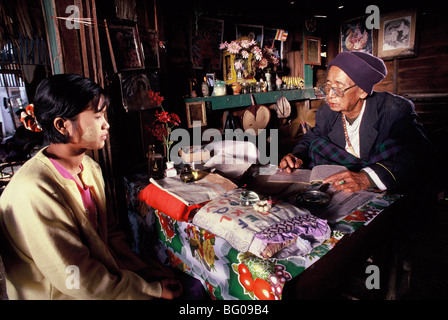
(363, 95)
(61, 125)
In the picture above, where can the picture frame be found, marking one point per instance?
(124, 46)
(149, 40)
(251, 32)
(210, 77)
(196, 114)
(396, 36)
(355, 36)
(312, 50)
(206, 36)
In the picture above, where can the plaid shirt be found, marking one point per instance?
(391, 139)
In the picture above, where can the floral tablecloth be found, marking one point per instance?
(226, 273)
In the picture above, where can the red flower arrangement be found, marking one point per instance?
(163, 123)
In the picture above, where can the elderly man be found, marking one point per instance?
(374, 134)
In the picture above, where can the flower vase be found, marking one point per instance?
(268, 80)
(170, 170)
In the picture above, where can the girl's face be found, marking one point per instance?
(90, 129)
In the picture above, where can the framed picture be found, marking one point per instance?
(355, 36)
(150, 48)
(196, 116)
(312, 50)
(396, 37)
(210, 77)
(125, 47)
(134, 90)
(206, 36)
(251, 32)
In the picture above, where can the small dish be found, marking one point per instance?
(313, 199)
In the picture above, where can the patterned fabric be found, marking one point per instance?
(306, 225)
(322, 151)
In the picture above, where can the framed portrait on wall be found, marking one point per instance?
(396, 37)
(355, 36)
(124, 46)
(251, 32)
(206, 36)
(312, 50)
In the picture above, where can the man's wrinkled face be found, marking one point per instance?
(349, 103)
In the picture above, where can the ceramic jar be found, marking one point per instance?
(220, 88)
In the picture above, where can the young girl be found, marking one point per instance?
(58, 239)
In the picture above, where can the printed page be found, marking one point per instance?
(323, 171)
(297, 176)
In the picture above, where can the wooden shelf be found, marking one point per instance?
(244, 100)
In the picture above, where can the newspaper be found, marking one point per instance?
(205, 189)
(342, 204)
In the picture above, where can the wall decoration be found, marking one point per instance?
(355, 36)
(150, 46)
(134, 91)
(396, 37)
(196, 114)
(312, 50)
(210, 77)
(124, 45)
(251, 32)
(206, 35)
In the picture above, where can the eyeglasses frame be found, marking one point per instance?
(333, 88)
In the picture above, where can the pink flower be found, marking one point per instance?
(258, 53)
(233, 47)
(238, 65)
(263, 63)
(245, 43)
(223, 45)
(245, 54)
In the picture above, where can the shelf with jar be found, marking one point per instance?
(243, 100)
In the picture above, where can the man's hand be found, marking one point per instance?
(349, 181)
(171, 289)
(290, 162)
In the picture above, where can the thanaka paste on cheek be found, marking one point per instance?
(91, 133)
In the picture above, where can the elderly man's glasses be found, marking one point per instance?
(337, 91)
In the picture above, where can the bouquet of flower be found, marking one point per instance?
(263, 58)
(269, 60)
(242, 49)
(163, 123)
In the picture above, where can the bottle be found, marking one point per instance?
(205, 88)
(155, 164)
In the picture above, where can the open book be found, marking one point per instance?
(307, 176)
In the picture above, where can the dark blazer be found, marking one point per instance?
(386, 116)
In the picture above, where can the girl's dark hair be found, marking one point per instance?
(65, 96)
